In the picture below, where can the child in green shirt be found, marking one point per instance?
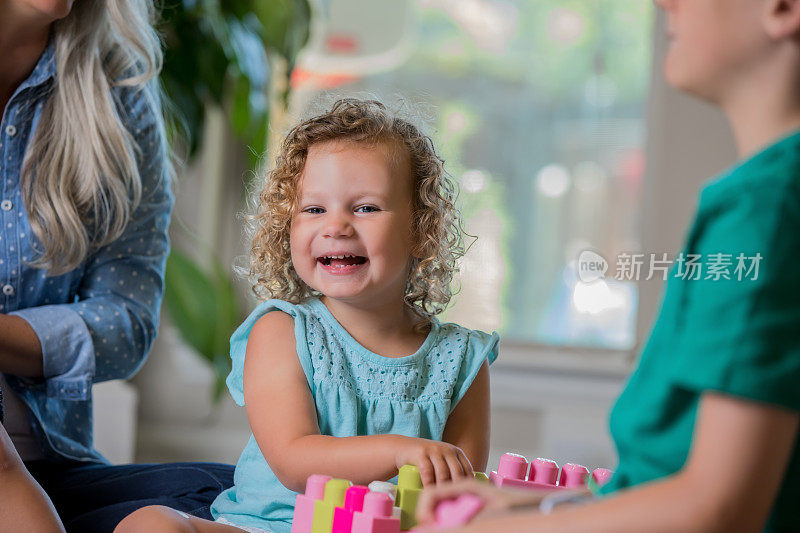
(706, 428)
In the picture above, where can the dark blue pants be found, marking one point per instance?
(95, 498)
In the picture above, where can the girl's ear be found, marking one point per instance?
(782, 19)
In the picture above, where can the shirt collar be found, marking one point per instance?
(45, 68)
(780, 161)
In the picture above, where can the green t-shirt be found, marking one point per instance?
(739, 336)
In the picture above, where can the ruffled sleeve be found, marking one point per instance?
(481, 346)
(239, 338)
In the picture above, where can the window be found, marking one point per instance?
(538, 108)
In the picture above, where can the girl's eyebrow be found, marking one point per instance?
(313, 195)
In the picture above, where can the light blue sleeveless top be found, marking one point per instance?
(356, 392)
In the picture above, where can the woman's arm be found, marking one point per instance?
(282, 415)
(739, 455)
(468, 426)
(20, 350)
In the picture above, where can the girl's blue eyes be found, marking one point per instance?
(359, 209)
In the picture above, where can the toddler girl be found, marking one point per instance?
(346, 371)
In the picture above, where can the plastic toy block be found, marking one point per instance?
(480, 476)
(573, 476)
(353, 502)
(453, 513)
(601, 476)
(304, 503)
(409, 487)
(385, 487)
(515, 471)
(391, 490)
(376, 517)
(323, 509)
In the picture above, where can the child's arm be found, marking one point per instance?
(468, 425)
(283, 418)
(739, 455)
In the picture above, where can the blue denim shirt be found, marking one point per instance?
(98, 321)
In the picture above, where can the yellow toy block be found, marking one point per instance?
(409, 487)
(324, 508)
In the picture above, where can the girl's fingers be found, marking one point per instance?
(466, 465)
(456, 468)
(426, 472)
(441, 468)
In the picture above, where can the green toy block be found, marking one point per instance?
(324, 508)
(409, 487)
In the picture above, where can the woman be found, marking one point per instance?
(84, 208)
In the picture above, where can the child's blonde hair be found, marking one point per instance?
(437, 223)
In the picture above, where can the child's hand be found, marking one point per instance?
(437, 462)
(496, 501)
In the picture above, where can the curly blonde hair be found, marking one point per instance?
(437, 223)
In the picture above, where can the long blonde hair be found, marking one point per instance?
(80, 180)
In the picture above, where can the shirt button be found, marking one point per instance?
(6, 205)
(8, 290)
(11, 130)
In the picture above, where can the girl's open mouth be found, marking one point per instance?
(341, 264)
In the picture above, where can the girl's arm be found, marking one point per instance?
(468, 426)
(739, 455)
(283, 418)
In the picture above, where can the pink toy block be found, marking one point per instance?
(573, 476)
(376, 516)
(544, 471)
(602, 476)
(515, 471)
(304, 503)
(453, 513)
(353, 502)
(391, 490)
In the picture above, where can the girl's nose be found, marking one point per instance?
(337, 225)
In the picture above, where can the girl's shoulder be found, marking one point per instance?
(301, 315)
(454, 338)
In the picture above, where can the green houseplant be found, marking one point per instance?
(236, 55)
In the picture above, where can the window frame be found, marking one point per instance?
(677, 166)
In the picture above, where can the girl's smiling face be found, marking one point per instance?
(350, 234)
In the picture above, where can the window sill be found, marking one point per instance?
(539, 377)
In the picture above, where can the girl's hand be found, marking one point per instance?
(437, 461)
(496, 501)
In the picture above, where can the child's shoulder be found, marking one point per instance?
(456, 339)
(264, 314)
(265, 327)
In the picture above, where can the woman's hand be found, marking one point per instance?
(496, 501)
(438, 462)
